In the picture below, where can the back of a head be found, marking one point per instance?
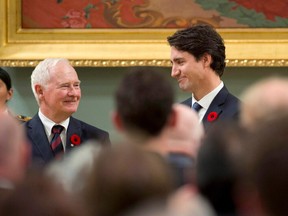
(263, 100)
(187, 132)
(39, 195)
(125, 177)
(199, 40)
(71, 172)
(219, 166)
(14, 151)
(144, 101)
(267, 166)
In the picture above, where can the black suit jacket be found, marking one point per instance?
(41, 150)
(226, 105)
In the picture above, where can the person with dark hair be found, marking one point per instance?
(144, 100)
(219, 166)
(38, 194)
(264, 188)
(6, 87)
(198, 62)
(145, 114)
(6, 93)
(53, 131)
(124, 178)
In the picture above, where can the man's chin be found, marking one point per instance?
(183, 88)
(71, 110)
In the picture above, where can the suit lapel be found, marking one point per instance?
(39, 138)
(74, 128)
(216, 105)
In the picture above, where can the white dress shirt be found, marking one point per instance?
(48, 124)
(207, 100)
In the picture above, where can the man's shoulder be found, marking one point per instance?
(87, 126)
(231, 106)
(91, 132)
(187, 102)
(225, 93)
(233, 99)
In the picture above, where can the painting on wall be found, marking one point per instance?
(116, 33)
(153, 13)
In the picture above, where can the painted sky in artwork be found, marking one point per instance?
(153, 13)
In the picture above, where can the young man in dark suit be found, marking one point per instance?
(56, 87)
(198, 62)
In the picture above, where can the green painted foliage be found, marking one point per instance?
(243, 15)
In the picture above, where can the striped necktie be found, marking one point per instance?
(56, 142)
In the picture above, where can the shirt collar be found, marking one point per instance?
(207, 99)
(48, 124)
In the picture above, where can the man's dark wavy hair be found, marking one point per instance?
(198, 40)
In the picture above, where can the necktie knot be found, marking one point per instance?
(196, 106)
(57, 129)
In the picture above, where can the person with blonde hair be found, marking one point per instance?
(186, 134)
(264, 100)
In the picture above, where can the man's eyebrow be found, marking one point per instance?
(177, 59)
(68, 83)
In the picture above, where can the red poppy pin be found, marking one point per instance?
(212, 116)
(75, 139)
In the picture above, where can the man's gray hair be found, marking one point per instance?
(41, 73)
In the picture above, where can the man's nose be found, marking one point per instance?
(175, 71)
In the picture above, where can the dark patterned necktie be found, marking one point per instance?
(56, 142)
(196, 107)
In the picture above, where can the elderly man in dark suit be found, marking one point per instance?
(198, 62)
(53, 131)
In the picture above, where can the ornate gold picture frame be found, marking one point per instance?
(126, 47)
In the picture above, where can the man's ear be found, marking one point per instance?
(172, 120)
(117, 121)
(38, 90)
(207, 59)
(10, 94)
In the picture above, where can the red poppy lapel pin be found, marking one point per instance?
(212, 116)
(75, 140)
